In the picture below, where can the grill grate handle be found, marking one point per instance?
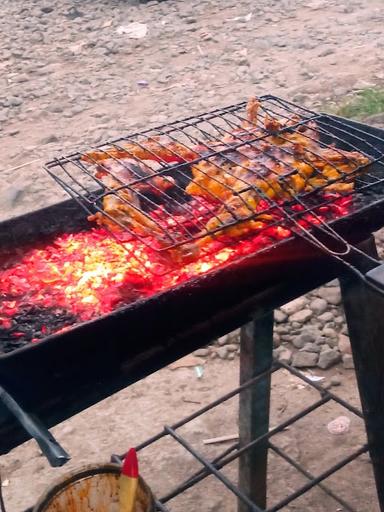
(55, 454)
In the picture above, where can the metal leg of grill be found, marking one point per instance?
(256, 344)
(364, 310)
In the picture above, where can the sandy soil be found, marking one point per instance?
(68, 80)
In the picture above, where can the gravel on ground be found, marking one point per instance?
(72, 76)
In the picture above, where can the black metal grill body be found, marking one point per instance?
(67, 372)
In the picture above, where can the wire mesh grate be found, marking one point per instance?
(261, 171)
(213, 467)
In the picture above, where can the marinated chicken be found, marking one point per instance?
(153, 149)
(262, 162)
(276, 168)
(125, 181)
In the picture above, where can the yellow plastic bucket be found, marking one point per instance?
(93, 488)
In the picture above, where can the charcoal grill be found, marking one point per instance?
(204, 147)
(67, 371)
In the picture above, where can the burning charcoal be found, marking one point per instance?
(32, 323)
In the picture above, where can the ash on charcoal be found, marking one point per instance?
(31, 324)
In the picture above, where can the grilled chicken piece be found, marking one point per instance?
(153, 149)
(264, 159)
(121, 207)
(273, 173)
(136, 174)
(127, 181)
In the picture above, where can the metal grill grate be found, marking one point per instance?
(267, 168)
(215, 466)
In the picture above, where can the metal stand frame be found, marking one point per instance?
(365, 316)
(255, 358)
(255, 448)
(364, 311)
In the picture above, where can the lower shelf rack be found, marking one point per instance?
(214, 466)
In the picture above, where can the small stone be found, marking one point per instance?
(283, 329)
(46, 9)
(232, 347)
(326, 52)
(304, 337)
(311, 347)
(305, 359)
(223, 340)
(14, 101)
(328, 357)
(328, 332)
(74, 13)
(201, 352)
(234, 336)
(294, 306)
(280, 316)
(67, 430)
(331, 294)
(344, 344)
(222, 352)
(242, 61)
(301, 316)
(321, 341)
(339, 425)
(37, 37)
(325, 317)
(332, 342)
(56, 108)
(286, 337)
(49, 140)
(318, 306)
(300, 98)
(77, 109)
(335, 381)
(21, 78)
(348, 363)
(285, 356)
(231, 356)
(12, 194)
(213, 355)
(277, 351)
(276, 340)
(339, 320)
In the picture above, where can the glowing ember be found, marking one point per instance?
(80, 276)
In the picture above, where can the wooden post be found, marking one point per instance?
(256, 345)
(364, 309)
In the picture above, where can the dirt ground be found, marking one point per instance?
(69, 79)
(140, 411)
